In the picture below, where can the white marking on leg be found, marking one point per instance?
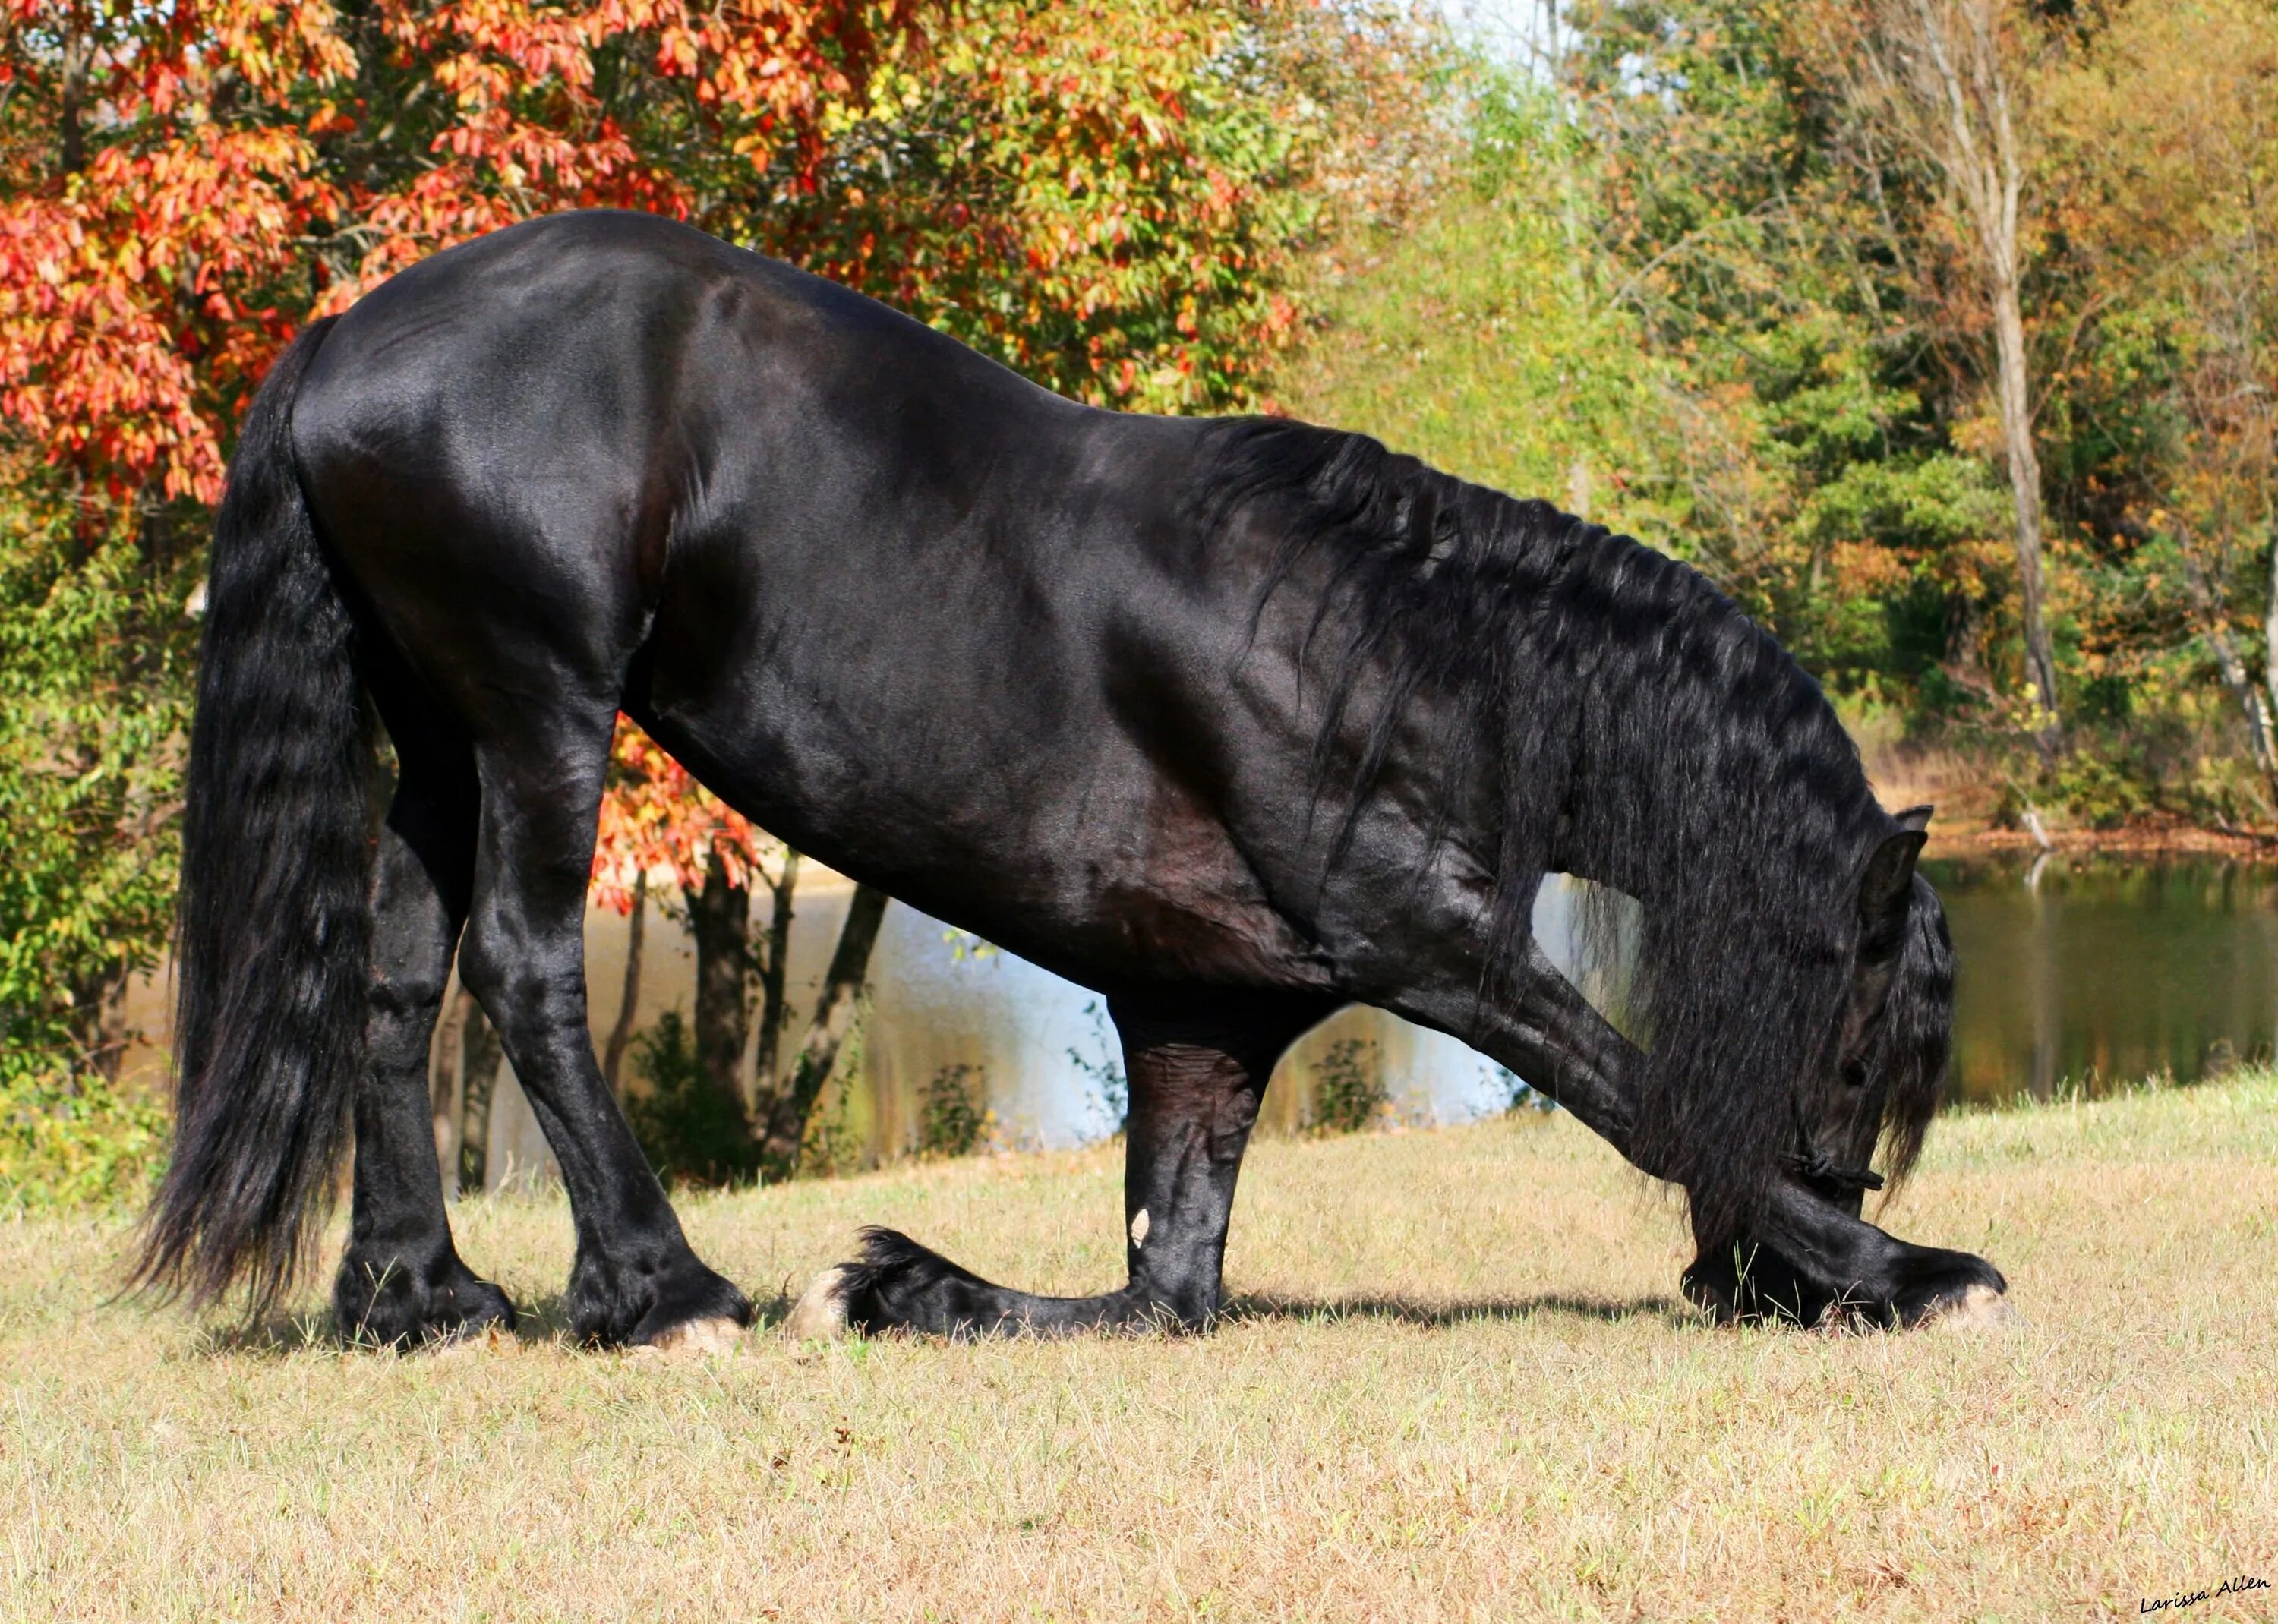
(1981, 1308)
(1139, 1229)
(820, 1314)
(698, 1336)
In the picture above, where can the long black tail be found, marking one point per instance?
(273, 930)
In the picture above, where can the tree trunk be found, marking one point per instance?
(2242, 687)
(720, 919)
(620, 1033)
(478, 1065)
(791, 1099)
(78, 57)
(773, 1005)
(2025, 495)
(1961, 92)
(2270, 621)
(99, 1014)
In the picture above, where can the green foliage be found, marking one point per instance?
(1349, 1092)
(1773, 253)
(71, 1138)
(93, 647)
(689, 1133)
(1475, 337)
(953, 1118)
(2100, 791)
(1111, 1087)
(834, 1145)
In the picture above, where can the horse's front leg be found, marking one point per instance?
(1198, 1064)
(1809, 1257)
(1810, 1253)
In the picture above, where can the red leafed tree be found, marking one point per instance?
(1102, 194)
(186, 184)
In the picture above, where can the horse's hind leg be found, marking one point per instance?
(401, 1281)
(635, 1280)
(1197, 1066)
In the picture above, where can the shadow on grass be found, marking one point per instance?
(543, 1322)
(545, 1319)
(273, 1336)
(1439, 1316)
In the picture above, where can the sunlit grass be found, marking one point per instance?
(1461, 1387)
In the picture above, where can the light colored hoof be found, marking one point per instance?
(492, 1339)
(1981, 1308)
(696, 1337)
(820, 1314)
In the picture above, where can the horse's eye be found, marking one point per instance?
(1855, 1072)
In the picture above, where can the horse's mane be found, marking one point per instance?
(1646, 732)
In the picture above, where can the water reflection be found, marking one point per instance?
(1043, 1045)
(2080, 973)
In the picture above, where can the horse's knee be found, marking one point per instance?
(412, 992)
(517, 987)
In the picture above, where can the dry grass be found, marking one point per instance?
(1462, 1390)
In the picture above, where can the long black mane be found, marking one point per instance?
(1646, 734)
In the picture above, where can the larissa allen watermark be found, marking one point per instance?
(2239, 1586)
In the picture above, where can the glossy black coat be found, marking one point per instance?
(952, 635)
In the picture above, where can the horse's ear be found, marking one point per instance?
(1887, 886)
(1915, 818)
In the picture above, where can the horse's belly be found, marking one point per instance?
(1068, 847)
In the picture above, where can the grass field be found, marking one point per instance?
(1460, 1387)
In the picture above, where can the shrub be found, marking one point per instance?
(1349, 1092)
(954, 1122)
(2101, 791)
(68, 1137)
(689, 1134)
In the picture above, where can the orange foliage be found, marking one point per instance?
(1098, 192)
(655, 816)
(223, 169)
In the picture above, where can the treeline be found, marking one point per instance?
(1944, 333)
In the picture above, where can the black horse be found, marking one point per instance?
(1236, 721)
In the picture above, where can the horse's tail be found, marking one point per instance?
(273, 930)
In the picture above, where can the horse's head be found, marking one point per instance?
(1886, 1056)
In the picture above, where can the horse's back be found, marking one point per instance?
(520, 443)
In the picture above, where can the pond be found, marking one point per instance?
(2088, 974)
(2075, 973)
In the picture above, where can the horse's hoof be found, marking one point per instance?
(1980, 1309)
(820, 1314)
(659, 1307)
(395, 1304)
(693, 1339)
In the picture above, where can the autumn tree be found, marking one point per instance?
(2166, 133)
(1799, 396)
(1948, 81)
